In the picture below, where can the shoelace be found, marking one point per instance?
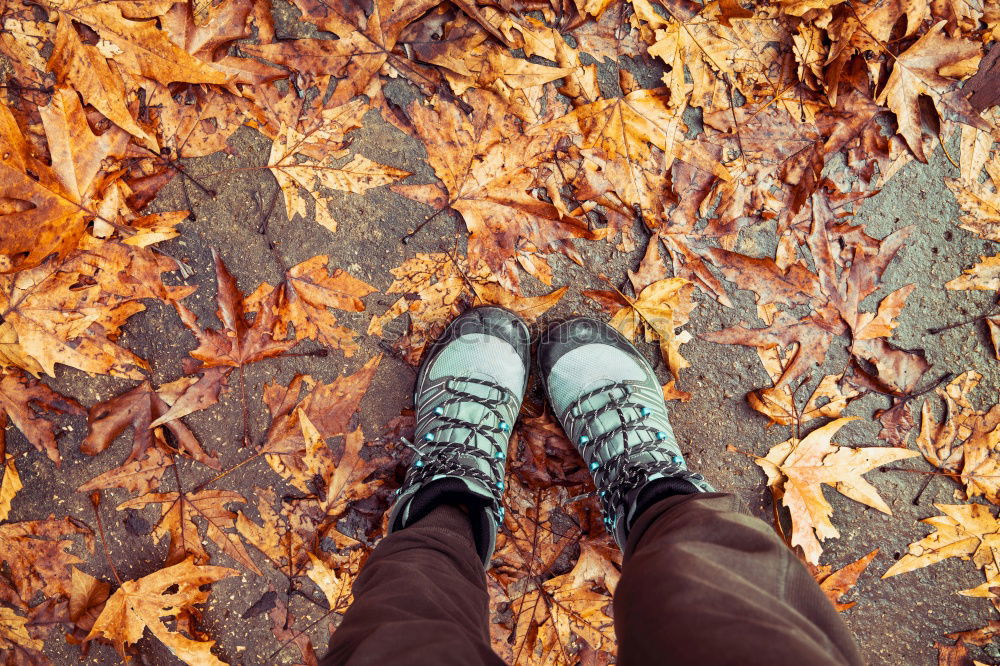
(441, 457)
(620, 474)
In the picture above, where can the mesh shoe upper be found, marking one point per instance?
(467, 396)
(610, 403)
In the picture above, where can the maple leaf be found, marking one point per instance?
(142, 408)
(307, 175)
(618, 135)
(980, 202)
(304, 300)
(35, 551)
(828, 400)
(285, 538)
(440, 286)
(327, 407)
(926, 68)
(966, 531)
(470, 60)
(129, 44)
(835, 584)
(797, 468)
(143, 603)
(47, 216)
(239, 343)
(14, 635)
(10, 482)
(576, 602)
(177, 513)
(366, 43)
(71, 311)
(23, 400)
(966, 444)
(659, 310)
(487, 167)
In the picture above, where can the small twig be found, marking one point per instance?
(406, 238)
(95, 503)
(957, 324)
(945, 149)
(916, 498)
(319, 353)
(246, 410)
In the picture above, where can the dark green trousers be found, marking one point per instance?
(702, 584)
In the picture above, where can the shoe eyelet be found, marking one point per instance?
(584, 439)
(439, 411)
(418, 463)
(676, 459)
(504, 426)
(429, 437)
(499, 455)
(660, 435)
(594, 466)
(500, 485)
(645, 411)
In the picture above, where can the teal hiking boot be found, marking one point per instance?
(467, 397)
(610, 403)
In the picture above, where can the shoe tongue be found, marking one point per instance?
(469, 410)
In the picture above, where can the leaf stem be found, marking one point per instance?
(95, 503)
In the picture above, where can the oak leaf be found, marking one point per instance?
(143, 603)
(797, 468)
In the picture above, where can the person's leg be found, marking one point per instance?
(703, 583)
(420, 599)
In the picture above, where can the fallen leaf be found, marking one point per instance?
(143, 603)
(797, 468)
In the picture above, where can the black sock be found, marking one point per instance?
(456, 493)
(661, 489)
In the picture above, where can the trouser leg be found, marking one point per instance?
(421, 598)
(705, 584)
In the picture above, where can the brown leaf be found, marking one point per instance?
(797, 468)
(238, 343)
(487, 166)
(36, 553)
(143, 603)
(835, 584)
(86, 599)
(24, 400)
(177, 514)
(304, 301)
(928, 68)
(71, 311)
(142, 409)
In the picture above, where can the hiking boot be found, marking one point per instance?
(467, 397)
(610, 403)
